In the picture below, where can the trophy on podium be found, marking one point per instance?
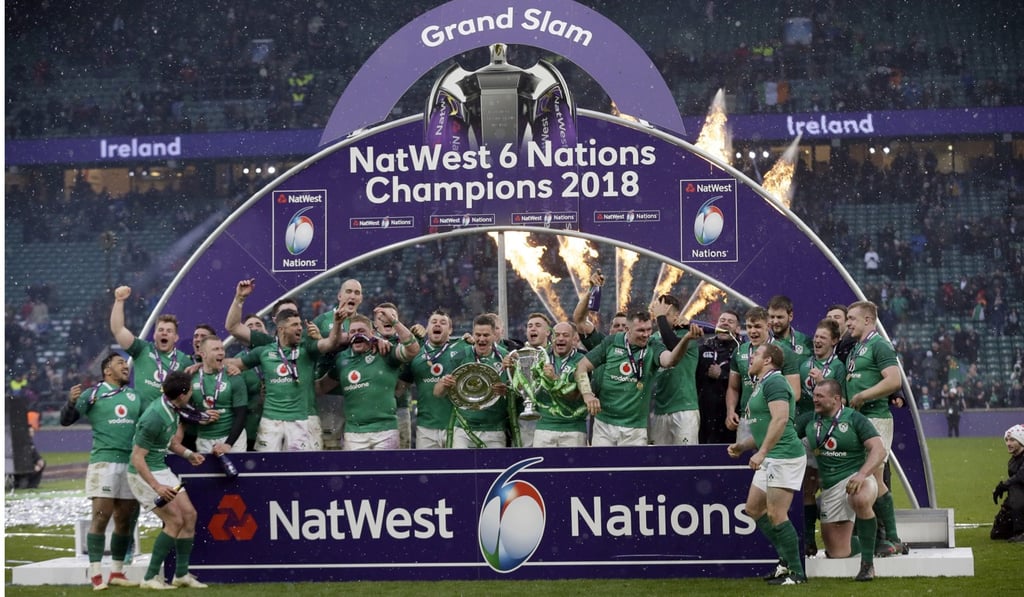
(500, 104)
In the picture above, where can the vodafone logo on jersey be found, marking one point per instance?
(121, 411)
(282, 370)
(436, 369)
(354, 377)
(626, 369)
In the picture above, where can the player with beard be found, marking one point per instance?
(200, 333)
(837, 313)
(425, 370)
(822, 365)
(113, 409)
(486, 427)
(778, 463)
(741, 382)
(712, 378)
(368, 380)
(255, 337)
(288, 366)
(676, 420)
(630, 360)
(152, 361)
(563, 415)
(214, 389)
(873, 374)
(780, 318)
(848, 451)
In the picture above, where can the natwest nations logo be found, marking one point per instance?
(300, 231)
(708, 224)
(511, 520)
(231, 520)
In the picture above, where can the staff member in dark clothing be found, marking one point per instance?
(712, 378)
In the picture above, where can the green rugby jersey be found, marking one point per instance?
(156, 429)
(220, 392)
(367, 382)
(113, 413)
(838, 443)
(149, 367)
(831, 368)
(865, 364)
(770, 388)
(288, 381)
(626, 379)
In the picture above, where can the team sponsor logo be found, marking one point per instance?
(512, 520)
(300, 232)
(627, 216)
(354, 376)
(282, 370)
(232, 521)
(545, 219)
(121, 411)
(465, 220)
(436, 369)
(831, 444)
(708, 224)
(625, 368)
(381, 223)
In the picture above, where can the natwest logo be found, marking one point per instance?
(232, 520)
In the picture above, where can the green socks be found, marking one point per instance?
(119, 545)
(865, 529)
(95, 543)
(788, 546)
(886, 514)
(184, 549)
(161, 548)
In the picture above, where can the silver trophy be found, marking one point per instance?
(500, 104)
(523, 381)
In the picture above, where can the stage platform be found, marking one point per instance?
(71, 571)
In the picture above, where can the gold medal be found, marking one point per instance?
(640, 386)
(817, 452)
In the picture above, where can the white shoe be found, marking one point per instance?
(188, 581)
(156, 583)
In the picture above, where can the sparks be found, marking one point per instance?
(526, 260)
(624, 262)
(702, 296)
(714, 136)
(578, 255)
(779, 180)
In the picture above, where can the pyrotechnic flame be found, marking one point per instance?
(578, 255)
(525, 259)
(714, 138)
(702, 296)
(667, 277)
(624, 262)
(615, 112)
(779, 180)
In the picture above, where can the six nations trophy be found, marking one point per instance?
(500, 104)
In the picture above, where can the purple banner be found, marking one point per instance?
(744, 127)
(476, 514)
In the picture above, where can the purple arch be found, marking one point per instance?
(610, 56)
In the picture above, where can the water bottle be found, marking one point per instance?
(229, 467)
(594, 302)
(160, 502)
